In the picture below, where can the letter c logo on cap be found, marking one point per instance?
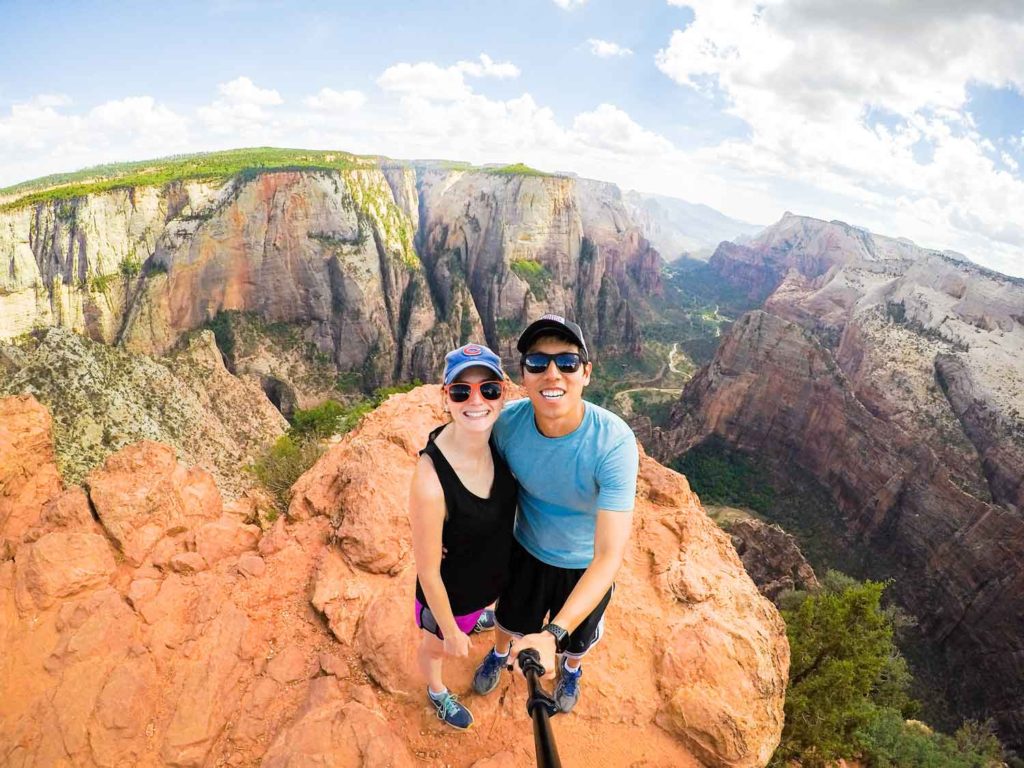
(472, 350)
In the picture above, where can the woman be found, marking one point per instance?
(463, 501)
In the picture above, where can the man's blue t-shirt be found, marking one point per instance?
(564, 481)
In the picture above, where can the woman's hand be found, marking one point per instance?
(456, 643)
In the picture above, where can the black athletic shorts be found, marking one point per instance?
(536, 593)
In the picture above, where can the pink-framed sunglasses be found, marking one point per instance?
(461, 391)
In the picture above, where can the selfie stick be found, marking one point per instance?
(540, 706)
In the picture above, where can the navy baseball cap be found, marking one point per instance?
(470, 356)
(556, 324)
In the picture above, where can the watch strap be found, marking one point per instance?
(560, 634)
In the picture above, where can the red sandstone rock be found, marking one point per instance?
(251, 564)
(187, 562)
(225, 537)
(289, 665)
(339, 734)
(214, 666)
(28, 472)
(142, 494)
(60, 565)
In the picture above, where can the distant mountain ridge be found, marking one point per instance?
(677, 227)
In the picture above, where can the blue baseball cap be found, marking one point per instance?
(470, 356)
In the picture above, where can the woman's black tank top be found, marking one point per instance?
(477, 533)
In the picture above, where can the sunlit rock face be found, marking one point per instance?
(145, 622)
(382, 268)
(893, 375)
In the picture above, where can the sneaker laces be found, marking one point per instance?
(447, 706)
(494, 662)
(570, 678)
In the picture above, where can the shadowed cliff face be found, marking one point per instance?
(892, 374)
(384, 269)
(144, 622)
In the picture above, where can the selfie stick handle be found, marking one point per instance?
(540, 706)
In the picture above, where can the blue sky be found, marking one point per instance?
(906, 118)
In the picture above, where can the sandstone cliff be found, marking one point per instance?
(893, 375)
(143, 622)
(103, 398)
(382, 267)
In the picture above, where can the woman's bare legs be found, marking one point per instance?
(431, 659)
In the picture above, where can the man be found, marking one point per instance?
(576, 464)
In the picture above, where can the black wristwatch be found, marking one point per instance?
(561, 636)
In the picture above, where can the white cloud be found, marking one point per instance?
(330, 100)
(807, 76)
(242, 90)
(431, 81)
(569, 4)
(240, 109)
(487, 67)
(426, 80)
(40, 136)
(609, 128)
(606, 50)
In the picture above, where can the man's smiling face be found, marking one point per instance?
(557, 397)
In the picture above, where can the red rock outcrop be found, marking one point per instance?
(170, 633)
(28, 474)
(771, 557)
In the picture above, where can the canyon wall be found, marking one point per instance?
(383, 268)
(893, 375)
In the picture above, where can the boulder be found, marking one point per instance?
(60, 565)
(225, 537)
(143, 494)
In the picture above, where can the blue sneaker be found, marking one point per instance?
(488, 674)
(486, 621)
(451, 711)
(567, 692)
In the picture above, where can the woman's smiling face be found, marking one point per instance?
(477, 413)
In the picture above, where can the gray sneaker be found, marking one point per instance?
(567, 692)
(488, 674)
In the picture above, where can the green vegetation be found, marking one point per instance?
(508, 328)
(223, 332)
(793, 499)
(129, 267)
(536, 275)
(283, 463)
(727, 478)
(848, 688)
(517, 169)
(213, 166)
(279, 466)
(888, 741)
(100, 283)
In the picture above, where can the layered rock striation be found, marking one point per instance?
(144, 622)
(892, 374)
(383, 267)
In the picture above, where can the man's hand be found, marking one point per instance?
(456, 644)
(544, 643)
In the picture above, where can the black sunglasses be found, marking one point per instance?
(566, 362)
(460, 391)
